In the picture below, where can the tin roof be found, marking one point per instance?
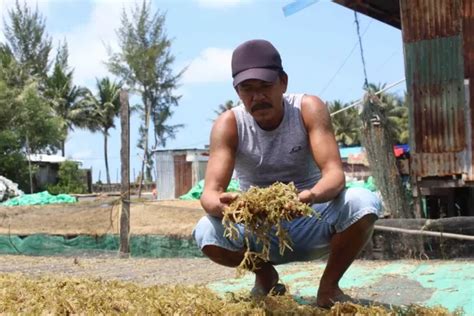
(387, 11)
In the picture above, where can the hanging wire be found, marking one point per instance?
(366, 81)
(343, 63)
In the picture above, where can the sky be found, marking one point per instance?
(318, 45)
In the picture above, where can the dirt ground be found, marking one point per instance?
(184, 271)
(102, 216)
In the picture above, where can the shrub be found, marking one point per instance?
(69, 179)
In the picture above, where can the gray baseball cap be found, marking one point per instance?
(256, 59)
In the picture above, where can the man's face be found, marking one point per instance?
(263, 100)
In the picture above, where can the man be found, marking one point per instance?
(273, 137)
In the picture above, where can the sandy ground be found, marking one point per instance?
(183, 271)
(102, 216)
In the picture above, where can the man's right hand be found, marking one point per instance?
(228, 197)
(215, 202)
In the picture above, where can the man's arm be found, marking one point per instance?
(220, 166)
(325, 152)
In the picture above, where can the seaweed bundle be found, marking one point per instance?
(262, 211)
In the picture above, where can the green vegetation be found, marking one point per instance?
(144, 63)
(102, 110)
(40, 104)
(347, 124)
(69, 180)
(229, 104)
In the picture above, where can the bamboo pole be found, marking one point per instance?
(423, 232)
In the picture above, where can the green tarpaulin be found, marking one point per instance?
(369, 184)
(196, 191)
(40, 198)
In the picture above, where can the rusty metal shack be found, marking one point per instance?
(178, 170)
(438, 42)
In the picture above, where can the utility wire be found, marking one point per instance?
(382, 65)
(344, 62)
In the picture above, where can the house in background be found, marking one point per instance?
(178, 170)
(48, 168)
(356, 164)
(438, 44)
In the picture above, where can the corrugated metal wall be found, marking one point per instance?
(178, 171)
(468, 35)
(165, 183)
(434, 66)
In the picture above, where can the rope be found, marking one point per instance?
(376, 93)
(366, 81)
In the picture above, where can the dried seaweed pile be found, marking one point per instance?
(52, 295)
(261, 210)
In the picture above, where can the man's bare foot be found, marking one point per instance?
(328, 296)
(266, 278)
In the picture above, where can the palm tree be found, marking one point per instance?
(346, 124)
(65, 98)
(395, 110)
(102, 110)
(229, 104)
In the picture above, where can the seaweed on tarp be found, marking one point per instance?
(65, 296)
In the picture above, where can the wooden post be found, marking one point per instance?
(125, 175)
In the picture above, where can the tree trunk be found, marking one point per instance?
(149, 176)
(379, 147)
(145, 146)
(106, 158)
(63, 148)
(30, 171)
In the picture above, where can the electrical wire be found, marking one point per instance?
(343, 63)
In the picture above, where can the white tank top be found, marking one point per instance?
(283, 154)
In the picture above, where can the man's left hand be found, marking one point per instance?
(306, 196)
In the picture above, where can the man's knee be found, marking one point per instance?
(362, 199)
(207, 230)
(223, 256)
(209, 237)
(366, 223)
(356, 205)
(212, 251)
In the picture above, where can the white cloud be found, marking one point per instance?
(212, 65)
(221, 3)
(88, 42)
(6, 5)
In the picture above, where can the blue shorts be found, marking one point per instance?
(310, 236)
